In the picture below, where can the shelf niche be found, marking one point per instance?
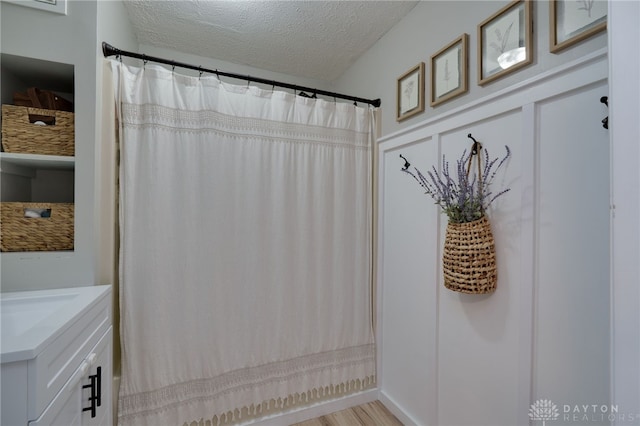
(35, 177)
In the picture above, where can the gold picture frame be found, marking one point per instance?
(505, 41)
(449, 71)
(410, 93)
(573, 21)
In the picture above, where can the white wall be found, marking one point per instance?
(67, 39)
(624, 48)
(452, 359)
(430, 26)
(112, 26)
(72, 39)
(213, 63)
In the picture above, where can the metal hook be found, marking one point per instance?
(406, 163)
(477, 146)
(605, 121)
(200, 72)
(248, 80)
(173, 68)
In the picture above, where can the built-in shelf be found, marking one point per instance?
(38, 161)
(26, 164)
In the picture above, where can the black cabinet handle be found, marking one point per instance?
(99, 386)
(96, 391)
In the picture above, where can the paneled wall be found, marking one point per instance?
(452, 359)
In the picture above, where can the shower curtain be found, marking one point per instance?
(245, 258)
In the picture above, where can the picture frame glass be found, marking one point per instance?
(504, 41)
(446, 74)
(409, 93)
(574, 17)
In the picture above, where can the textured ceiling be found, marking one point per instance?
(314, 39)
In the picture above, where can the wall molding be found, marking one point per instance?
(524, 98)
(528, 244)
(596, 57)
(396, 410)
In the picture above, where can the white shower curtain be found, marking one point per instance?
(245, 249)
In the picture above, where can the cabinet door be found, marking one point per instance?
(96, 385)
(64, 410)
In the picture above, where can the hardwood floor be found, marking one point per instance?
(371, 414)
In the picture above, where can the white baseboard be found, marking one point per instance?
(396, 410)
(317, 410)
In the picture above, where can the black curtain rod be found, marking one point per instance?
(109, 50)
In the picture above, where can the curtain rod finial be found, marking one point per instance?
(108, 50)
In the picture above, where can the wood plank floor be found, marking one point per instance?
(371, 414)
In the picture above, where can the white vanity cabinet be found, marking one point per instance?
(57, 357)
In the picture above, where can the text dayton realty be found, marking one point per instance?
(595, 413)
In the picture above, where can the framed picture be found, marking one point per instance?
(571, 21)
(449, 76)
(55, 6)
(410, 93)
(505, 41)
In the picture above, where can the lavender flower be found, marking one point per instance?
(463, 198)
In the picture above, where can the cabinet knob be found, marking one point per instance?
(91, 359)
(78, 375)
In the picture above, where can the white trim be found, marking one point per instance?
(528, 268)
(538, 80)
(396, 410)
(434, 416)
(524, 97)
(380, 268)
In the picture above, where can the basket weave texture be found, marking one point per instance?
(19, 233)
(21, 136)
(469, 257)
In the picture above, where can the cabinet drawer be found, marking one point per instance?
(52, 368)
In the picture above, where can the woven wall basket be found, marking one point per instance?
(469, 257)
(19, 233)
(21, 136)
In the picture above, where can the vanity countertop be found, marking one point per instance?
(31, 320)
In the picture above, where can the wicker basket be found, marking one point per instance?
(20, 233)
(469, 257)
(21, 136)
